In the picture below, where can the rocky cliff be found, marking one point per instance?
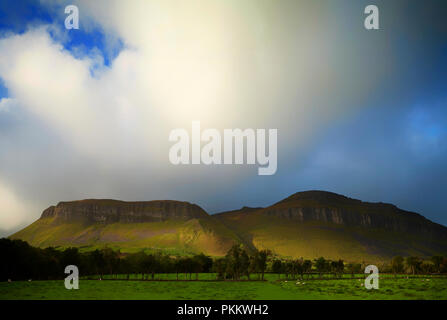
(113, 211)
(318, 223)
(333, 208)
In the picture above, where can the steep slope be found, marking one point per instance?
(177, 227)
(317, 223)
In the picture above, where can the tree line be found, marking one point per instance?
(416, 265)
(20, 261)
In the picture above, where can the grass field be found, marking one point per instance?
(390, 288)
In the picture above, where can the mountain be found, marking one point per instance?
(174, 226)
(307, 224)
(318, 223)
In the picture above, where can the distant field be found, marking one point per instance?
(390, 288)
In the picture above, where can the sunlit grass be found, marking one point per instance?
(389, 288)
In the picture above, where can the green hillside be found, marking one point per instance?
(315, 239)
(175, 235)
(307, 224)
(323, 224)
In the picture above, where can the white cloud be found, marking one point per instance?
(12, 211)
(6, 104)
(225, 64)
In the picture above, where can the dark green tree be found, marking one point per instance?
(437, 261)
(397, 265)
(413, 264)
(277, 267)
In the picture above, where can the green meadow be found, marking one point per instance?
(421, 287)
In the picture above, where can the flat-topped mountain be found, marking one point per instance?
(318, 223)
(306, 224)
(173, 226)
(337, 209)
(115, 211)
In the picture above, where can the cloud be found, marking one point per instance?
(6, 104)
(78, 128)
(13, 212)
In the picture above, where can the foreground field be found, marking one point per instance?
(413, 288)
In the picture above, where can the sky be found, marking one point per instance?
(87, 113)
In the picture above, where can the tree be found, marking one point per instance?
(413, 264)
(253, 265)
(397, 265)
(354, 268)
(427, 267)
(307, 267)
(125, 267)
(98, 262)
(340, 267)
(110, 260)
(321, 265)
(219, 266)
(188, 266)
(437, 262)
(277, 267)
(135, 263)
(245, 264)
(298, 268)
(233, 262)
(205, 261)
(200, 263)
(178, 266)
(288, 268)
(443, 266)
(334, 267)
(262, 261)
(70, 256)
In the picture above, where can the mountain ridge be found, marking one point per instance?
(305, 224)
(109, 210)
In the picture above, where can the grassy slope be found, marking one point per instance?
(315, 239)
(214, 235)
(175, 236)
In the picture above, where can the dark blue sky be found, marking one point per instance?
(383, 140)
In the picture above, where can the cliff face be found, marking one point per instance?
(337, 209)
(113, 211)
(316, 223)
